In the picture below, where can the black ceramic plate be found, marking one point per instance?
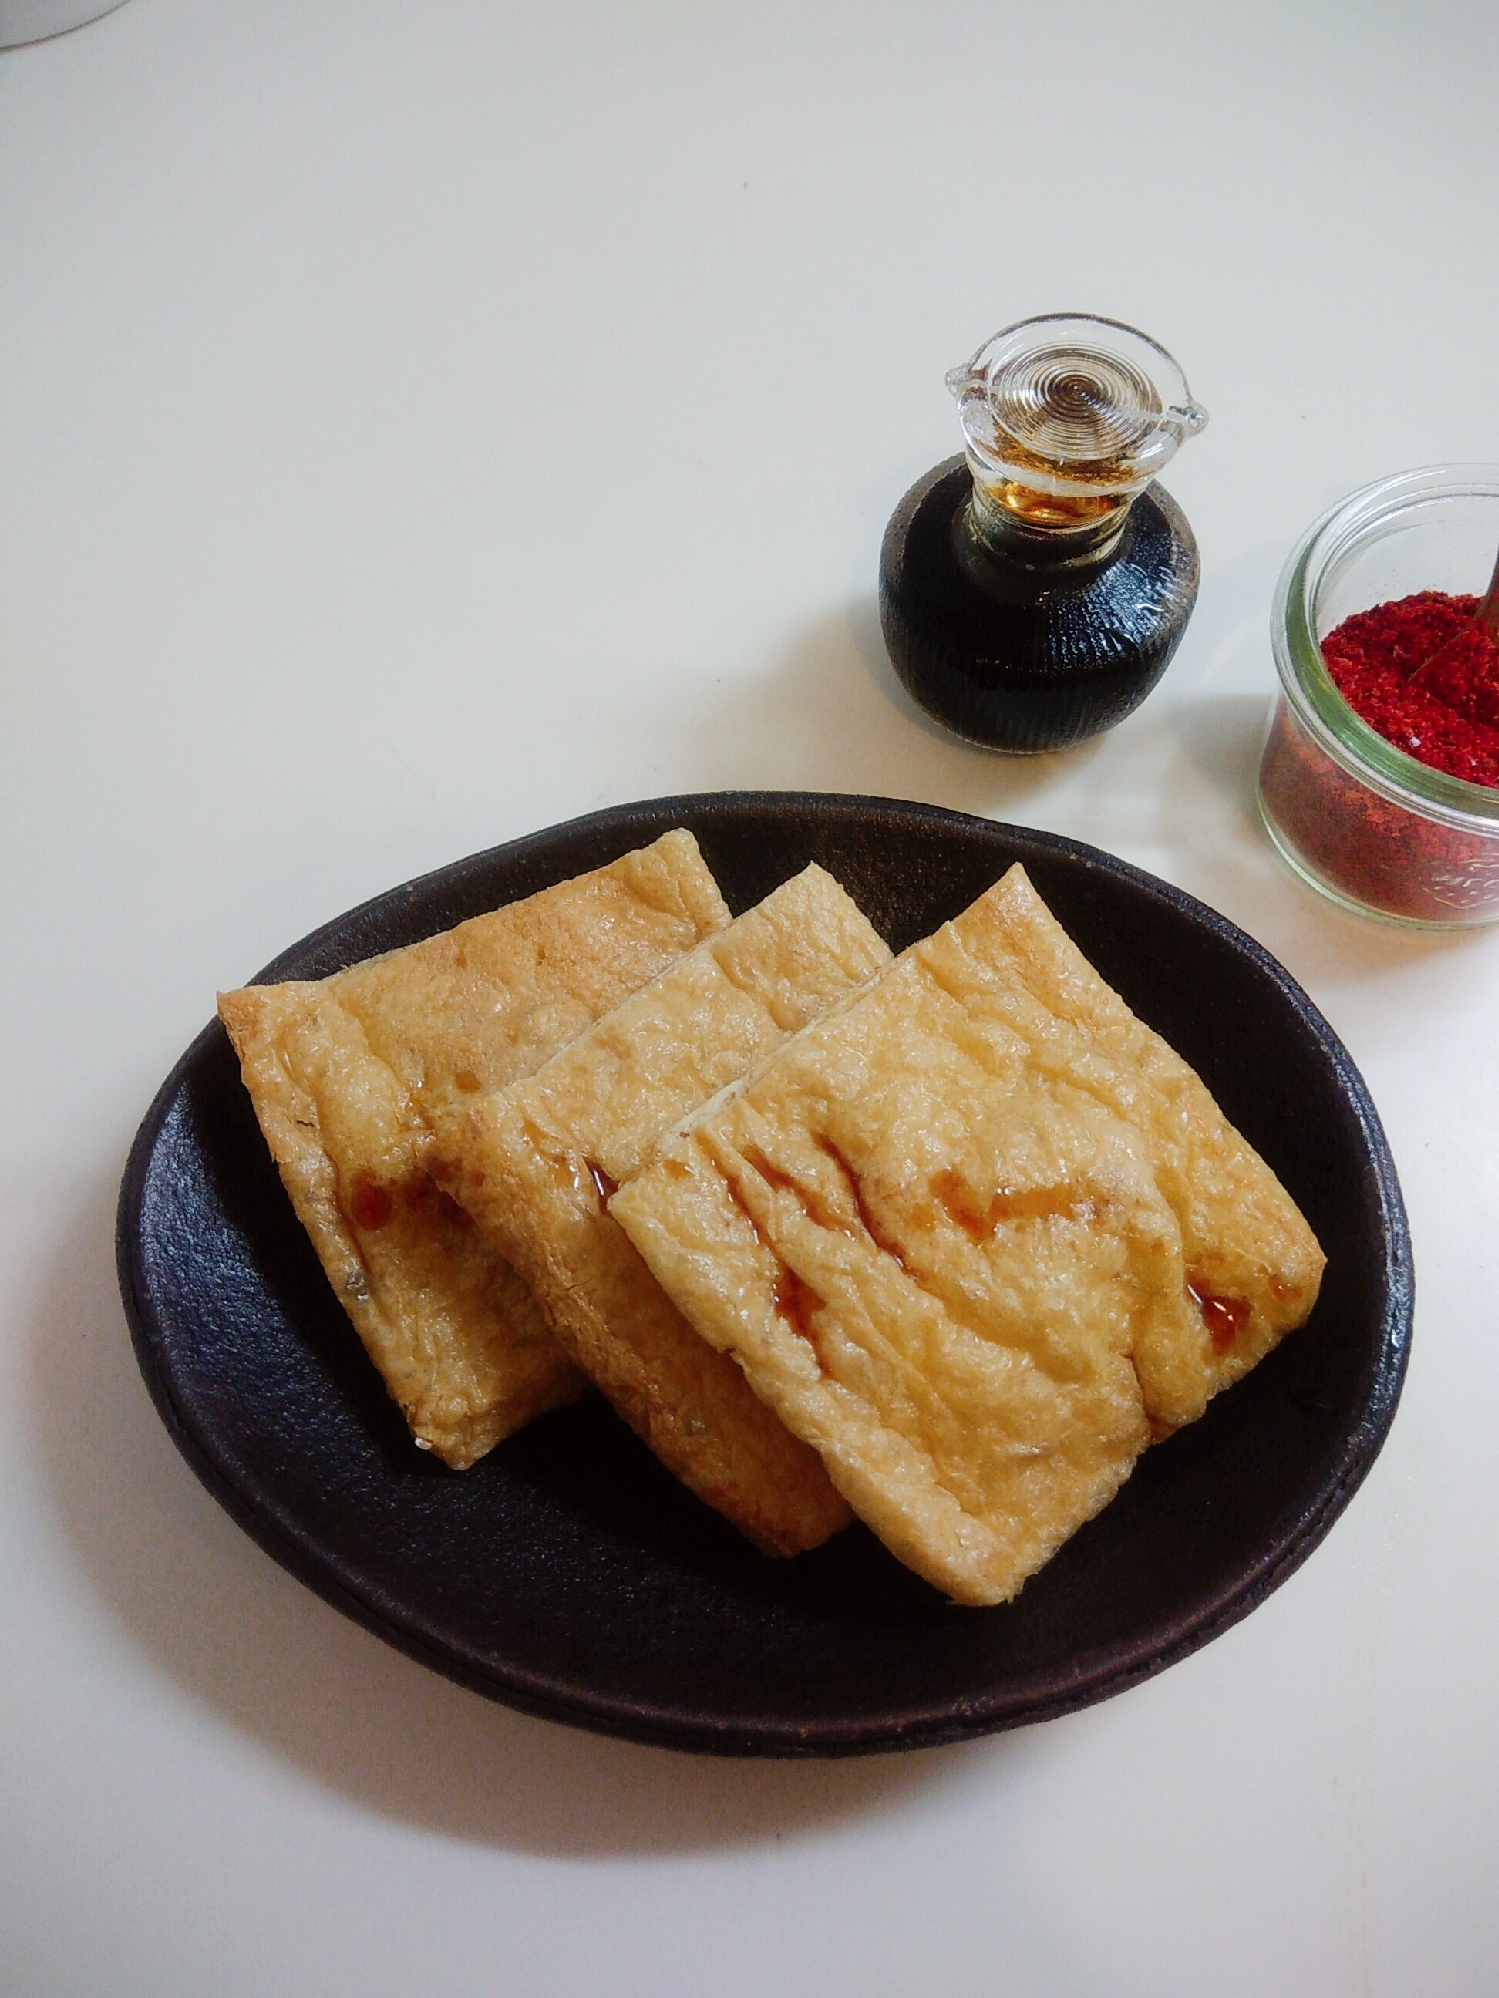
(570, 1576)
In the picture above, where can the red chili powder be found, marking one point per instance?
(1448, 721)
(1378, 852)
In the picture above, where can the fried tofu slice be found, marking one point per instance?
(938, 1247)
(933, 1262)
(535, 1165)
(347, 1074)
(1253, 1266)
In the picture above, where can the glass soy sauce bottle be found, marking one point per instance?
(1033, 591)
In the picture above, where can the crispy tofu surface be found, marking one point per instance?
(933, 1232)
(347, 1073)
(1253, 1266)
(536, 1164)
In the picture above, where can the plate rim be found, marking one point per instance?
(950, 1720)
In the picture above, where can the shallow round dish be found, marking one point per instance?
(1355, 816)
(567, 1574)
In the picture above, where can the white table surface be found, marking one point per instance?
(421, 424)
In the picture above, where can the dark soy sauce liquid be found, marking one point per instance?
(1039, 651)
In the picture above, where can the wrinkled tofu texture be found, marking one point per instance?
(535, 1165)
(1252, 1261)
(481, 1005)
(347, 1073)
(947, 1234)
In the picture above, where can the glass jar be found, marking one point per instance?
(1369, 826)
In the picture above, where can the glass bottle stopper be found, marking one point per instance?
(1066, 418)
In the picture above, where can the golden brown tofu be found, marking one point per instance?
(536, 1164)
(1253, 1266)
(933, 1238)
(346, 1074)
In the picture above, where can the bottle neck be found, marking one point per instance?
(1020, 533)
